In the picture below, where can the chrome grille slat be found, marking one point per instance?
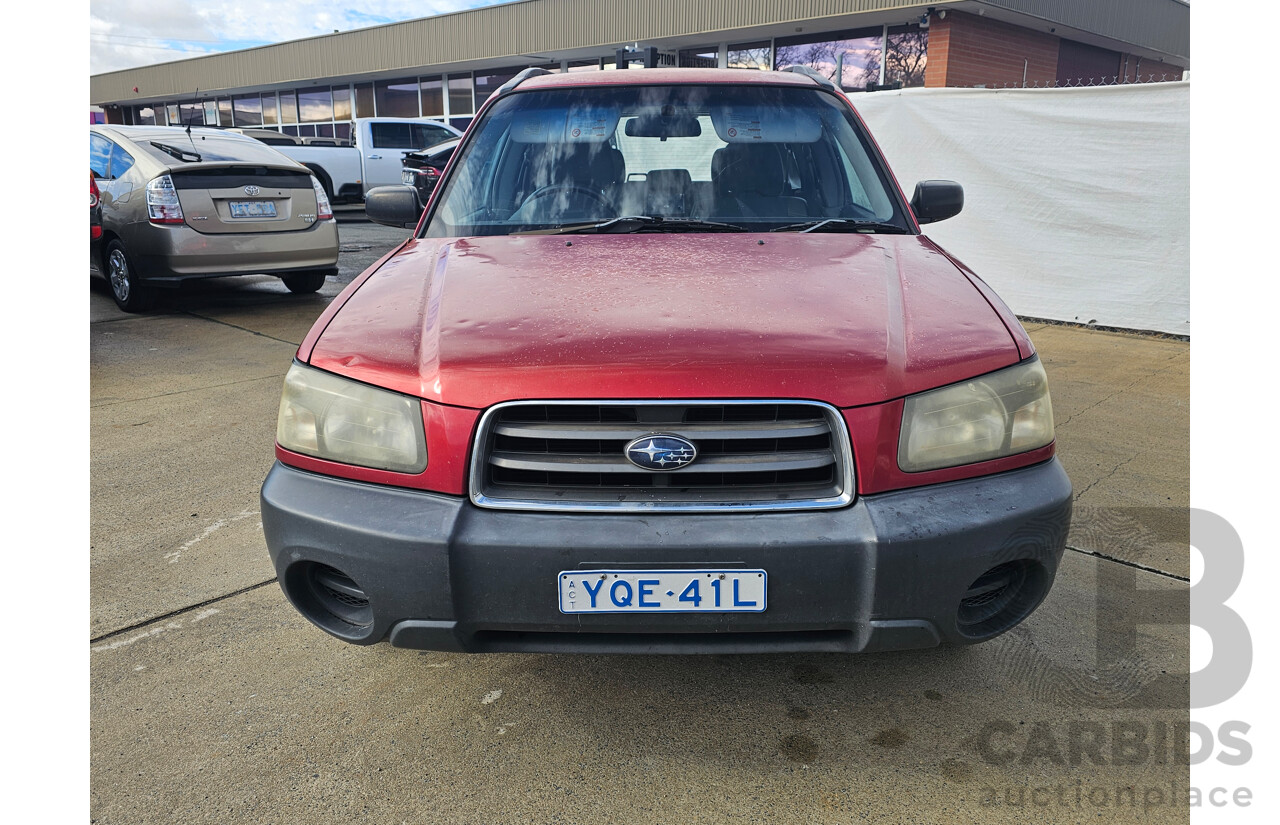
(788, 429)
(737, 462)
(752, 455)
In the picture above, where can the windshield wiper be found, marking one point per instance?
(641, 223)
(181, 154)
(843, 225)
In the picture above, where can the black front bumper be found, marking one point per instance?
(888, 572)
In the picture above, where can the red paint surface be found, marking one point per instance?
(846, 319)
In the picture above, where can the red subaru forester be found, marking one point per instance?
(666, 367)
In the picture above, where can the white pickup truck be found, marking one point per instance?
(347, 172)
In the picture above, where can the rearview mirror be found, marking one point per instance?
(396, 206)
(937, 200)
(664, 126)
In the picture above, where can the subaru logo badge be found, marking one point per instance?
(661, 451)
(251, 190)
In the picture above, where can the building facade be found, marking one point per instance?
(445, 67)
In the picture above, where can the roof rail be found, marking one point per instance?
(532, 71)
(821, 79)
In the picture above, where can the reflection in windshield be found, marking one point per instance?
(752, 155)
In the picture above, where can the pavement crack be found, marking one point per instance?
(102, 321)
(242, 329)
(1121, 391)
(277, 377)
(1132, 564)
(1112, 472)
(180, 610)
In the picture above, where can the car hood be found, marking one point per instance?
(841, 318)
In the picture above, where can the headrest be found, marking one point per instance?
(675, 180)
(749, 168)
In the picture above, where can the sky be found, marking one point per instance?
(128, 33)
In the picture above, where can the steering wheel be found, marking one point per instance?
(566, 187)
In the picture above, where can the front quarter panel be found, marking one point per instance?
(1025, 348)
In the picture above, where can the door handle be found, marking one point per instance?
(374, 157)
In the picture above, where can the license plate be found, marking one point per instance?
(406, 177)
(253, 209)
(662, 591)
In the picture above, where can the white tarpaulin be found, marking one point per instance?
(1076, 200)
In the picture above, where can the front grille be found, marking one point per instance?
(751, 455)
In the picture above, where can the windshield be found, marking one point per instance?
(758, 157)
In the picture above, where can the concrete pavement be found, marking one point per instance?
(213, 700)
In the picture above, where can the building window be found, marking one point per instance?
(432, 91)
(270, 109)
(855, 51)
(288, 107)
(707, 57)
(247, 111)
(224, 112)
(460, 102)
(146, 116)
(191, 114)
(342, 130)
(315, 105)
(758, 55)
(397, 98)
(906, 52)
(364, 100)
(487, 84)
(172, 111)
(211, 113)
(341, 102)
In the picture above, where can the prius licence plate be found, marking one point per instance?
(662, 591)
(253, 209)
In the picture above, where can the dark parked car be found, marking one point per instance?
(669, 367)
(423, 169)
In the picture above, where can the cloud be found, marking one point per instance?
(128, 33)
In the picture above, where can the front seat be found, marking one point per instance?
(749, 180)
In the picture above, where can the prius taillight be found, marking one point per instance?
(162, 201)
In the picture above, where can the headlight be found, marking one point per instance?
(336, 419)
(997, 415)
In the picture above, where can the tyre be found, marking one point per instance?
(304, 282)
(130, 295)
(325, 183)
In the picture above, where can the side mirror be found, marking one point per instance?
(937, 200)
(396, 206)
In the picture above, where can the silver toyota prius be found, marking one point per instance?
(183, 203)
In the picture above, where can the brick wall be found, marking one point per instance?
(968, 50)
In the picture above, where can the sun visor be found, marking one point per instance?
(578, 124)
(766, 124)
